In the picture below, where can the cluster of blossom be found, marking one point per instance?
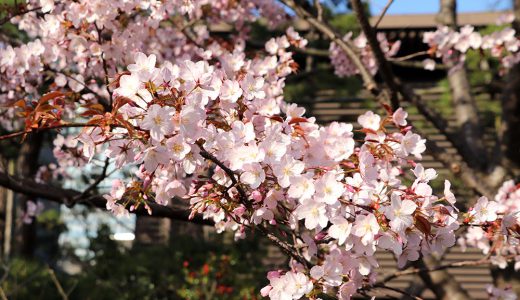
(344, 67)
(494, 226)
(450, 45)
(202, 121)
(195, 100)
(77, 42)
(272, 167)
(289, 285)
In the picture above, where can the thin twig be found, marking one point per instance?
(68, 197)
(347, 46)
(105, 66)
(470, 177)
(284, 246)
(101, 177)
(19, 13)
(103, 100)
(409, 56)
(57, 284)
(382, 286)
(66, 125)
(319, 10)
(2, 294)
(383, 13)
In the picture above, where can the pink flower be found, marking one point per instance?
(128, 85)
(155, 156)
(286, 169)
(399, 117)
(366, 227)
(144, 66)
(254, 175)
(253, 87)
(328, 189)
(413, 144)
(230, 91)
(340, 229)
(369, 120)
(485, 210)
(159, 121)
(400, 213)
(313, 212)
(178, 147)
(47, 5)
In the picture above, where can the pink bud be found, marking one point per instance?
(239, 210)
(146, 182)
(273, 274)
(265, 290)
(320, 236)
(257, 196)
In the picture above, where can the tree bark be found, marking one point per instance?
(468, 123)
(72, 197)
(150, 230)
(27, 166)
(511, 103)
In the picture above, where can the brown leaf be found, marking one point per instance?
(277, 118)
(298, 120)
(423, 225)
(50, 96)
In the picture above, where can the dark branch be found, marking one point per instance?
(71, 197)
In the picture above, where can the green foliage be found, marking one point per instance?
(23, 279)
(345, 23)
(185, 269)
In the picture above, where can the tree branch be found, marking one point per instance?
(382, 286)
(70, 198)
(65, 125)
(383, 13)
(18, 13)
(347, 47)
(101, 177)
(58, 285)
(244, 199)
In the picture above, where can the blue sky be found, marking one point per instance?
(432, 6)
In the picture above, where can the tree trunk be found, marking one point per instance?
(511, 115)
(150, 230)
(511, 104)
(466, 113)
(26, 167)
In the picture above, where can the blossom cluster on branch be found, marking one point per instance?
(450, 45)
(220, 136)
(343, 65)
(203, 120)
(493, 226)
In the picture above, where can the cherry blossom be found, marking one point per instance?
(158, 121)
(200, 119)
(400, 213)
